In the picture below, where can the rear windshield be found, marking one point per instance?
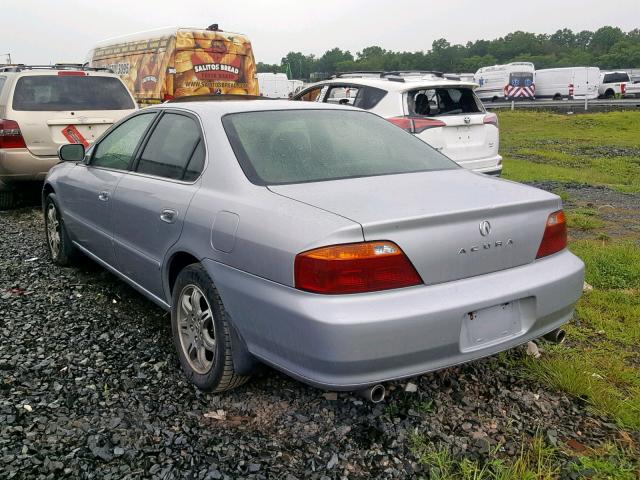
(299, 146)
(443, 101)
(69, 92)
(615, 77)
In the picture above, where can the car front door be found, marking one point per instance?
(88, 187)
(150, 203)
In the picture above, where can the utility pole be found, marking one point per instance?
(8, 55)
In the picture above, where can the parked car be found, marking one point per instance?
(612, 84)
(158, 65)
(319, 239)
(444, 113)
(569, 83)
(42, 108)
(511, 81)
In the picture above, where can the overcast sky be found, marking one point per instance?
(49, 31)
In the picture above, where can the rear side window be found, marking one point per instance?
(116, 149)
(432, 102)
(174, 150)
(52, 93)
(616, 77)
(2, 80)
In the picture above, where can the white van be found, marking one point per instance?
(570, 82)
(277, 85)
(510, 82)
(613, 84)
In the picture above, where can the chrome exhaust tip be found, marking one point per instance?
(374, 394)
(556, 336)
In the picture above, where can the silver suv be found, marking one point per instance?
(43, 107)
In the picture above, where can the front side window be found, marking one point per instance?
(116, 149)
(171, 148)
(432, 102)
(310, 95)
(50, 93)
(299, 146)
(344, 95)
(617, 77)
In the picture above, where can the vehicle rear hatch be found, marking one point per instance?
(435, 218)
(68, 107)
(210, 62)
(454, 123)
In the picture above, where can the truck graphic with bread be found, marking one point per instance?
(158, 65)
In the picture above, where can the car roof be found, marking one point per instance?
(223, 107)
(52, 71)
(409, 83)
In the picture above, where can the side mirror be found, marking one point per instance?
(71, 152)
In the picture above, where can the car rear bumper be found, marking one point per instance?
(489, 166)
(19, 164)
(345, 342)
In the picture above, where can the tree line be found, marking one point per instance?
(607, 48)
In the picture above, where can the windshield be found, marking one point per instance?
(299, 146)
(69, 92)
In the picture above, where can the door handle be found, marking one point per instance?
(168, 216)
(104, 196)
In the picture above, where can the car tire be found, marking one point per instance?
(61, 250)
(7, 199)
(201, 331)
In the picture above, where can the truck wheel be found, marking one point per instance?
(202, 333)
(59, 244)
(609, 94)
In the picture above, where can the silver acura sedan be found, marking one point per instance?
(321, 240)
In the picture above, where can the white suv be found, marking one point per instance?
(445, 113)
(43, 107)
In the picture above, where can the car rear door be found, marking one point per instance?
(67, 107)
(151, 202)
(453, 122)
(86, 191)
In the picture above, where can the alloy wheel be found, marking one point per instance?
(53, 230)
(196, 329)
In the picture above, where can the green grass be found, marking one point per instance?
(583, 219)
(596, 149)
(536, 460)
(600, 363)
(610, 264)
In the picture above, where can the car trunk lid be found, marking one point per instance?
(437, 218)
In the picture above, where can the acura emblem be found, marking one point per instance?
(467, 120)
(485, 228)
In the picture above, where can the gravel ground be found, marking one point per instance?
(90, 388)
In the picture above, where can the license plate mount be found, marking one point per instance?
(488, 326)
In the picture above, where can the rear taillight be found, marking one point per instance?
(71, 73)
(555, 235)
(416, 124)
(623, 88)
(10, 135)
(490, 119)
(354, 268)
